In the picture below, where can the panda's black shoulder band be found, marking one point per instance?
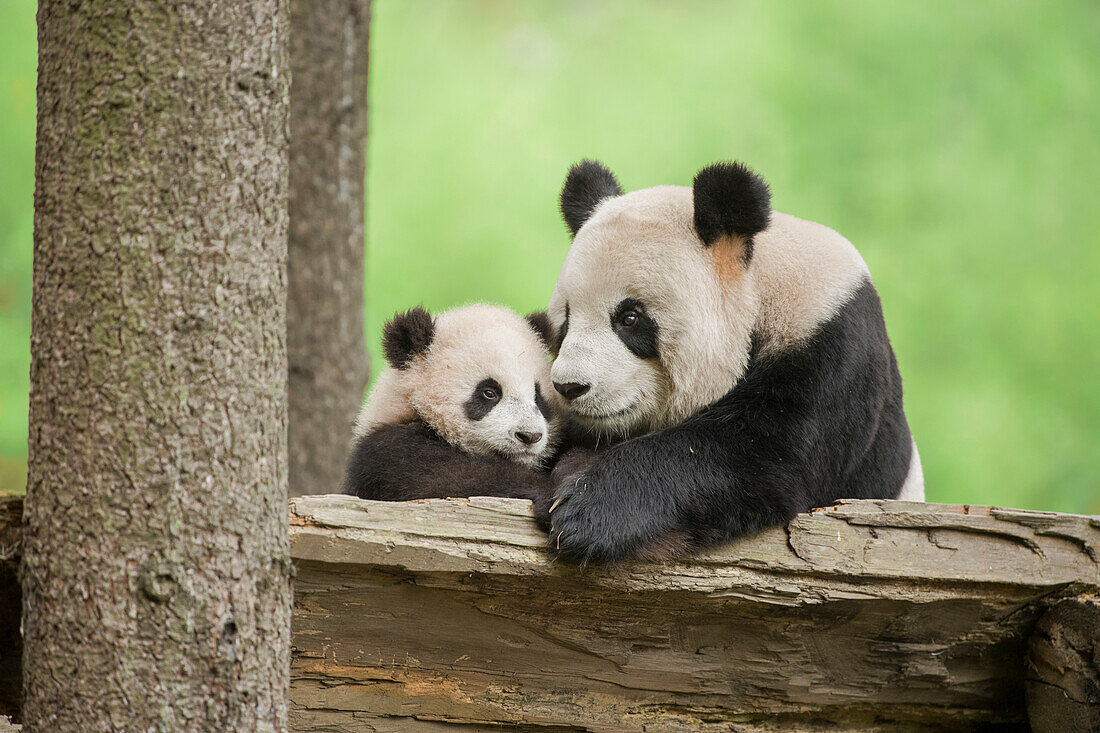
(586, 185)
(730, 200)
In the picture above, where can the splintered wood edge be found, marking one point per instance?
(836, 548)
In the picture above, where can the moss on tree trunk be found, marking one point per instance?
(156, 570)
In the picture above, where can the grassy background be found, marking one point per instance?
(956, 144)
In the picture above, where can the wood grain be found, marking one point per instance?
(867, 615)
(449, 614)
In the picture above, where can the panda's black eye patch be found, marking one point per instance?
(635, 328)
(541, 403)
(562, 332)
(486, 395)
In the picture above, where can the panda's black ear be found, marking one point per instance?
(730, 200)
(407, 335)
(587, 184)
(541, 323)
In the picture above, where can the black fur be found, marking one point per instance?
(586, 185)
(800, 429)
(641, 335)
(562, 332)
(478, 406)
(730, 200)
(406, 335)
(540, 402)
(410, 461)
(540, 322)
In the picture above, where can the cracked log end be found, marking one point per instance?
(1063, 671)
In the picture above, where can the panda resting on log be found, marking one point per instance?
(726, 367)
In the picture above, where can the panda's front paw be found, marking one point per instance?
(595, 521)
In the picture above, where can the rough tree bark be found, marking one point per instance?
(156, 569)
(328, 130)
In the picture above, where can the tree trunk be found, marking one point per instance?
(156, 568)
(328, 124)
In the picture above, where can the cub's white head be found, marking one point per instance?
(478, 375)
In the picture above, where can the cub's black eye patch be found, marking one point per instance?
(486, 395)
(634, 327)
(561, 333)
(540, 402)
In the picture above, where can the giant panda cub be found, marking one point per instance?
(476, 378)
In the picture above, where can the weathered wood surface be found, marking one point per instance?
(1062, 667)
(868, 615)
(439, 615)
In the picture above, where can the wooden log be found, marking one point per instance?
(443, 615)
(867, 615)
(1063, 671)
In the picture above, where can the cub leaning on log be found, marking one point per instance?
(738, 355)
(476, 378)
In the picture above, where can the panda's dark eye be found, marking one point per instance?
(635, 327)
(483, 399)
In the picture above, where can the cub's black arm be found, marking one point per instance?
(410, 461)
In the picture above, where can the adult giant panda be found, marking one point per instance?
(735, 358)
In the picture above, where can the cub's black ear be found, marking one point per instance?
(406, 335)
(587, 184)
(730, 199)
(541, 323)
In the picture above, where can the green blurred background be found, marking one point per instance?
(956, 144)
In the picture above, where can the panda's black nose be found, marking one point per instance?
(571, 390)
(528, 438)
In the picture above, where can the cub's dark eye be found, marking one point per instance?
(483, 399)
(628, 319)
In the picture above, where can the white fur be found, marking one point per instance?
(913, 488)
(471, 344)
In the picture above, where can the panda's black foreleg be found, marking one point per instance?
(715, 477)
(671, 491)
(409, 461)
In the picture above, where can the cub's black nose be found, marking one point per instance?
(571, 390)
(528, 438)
